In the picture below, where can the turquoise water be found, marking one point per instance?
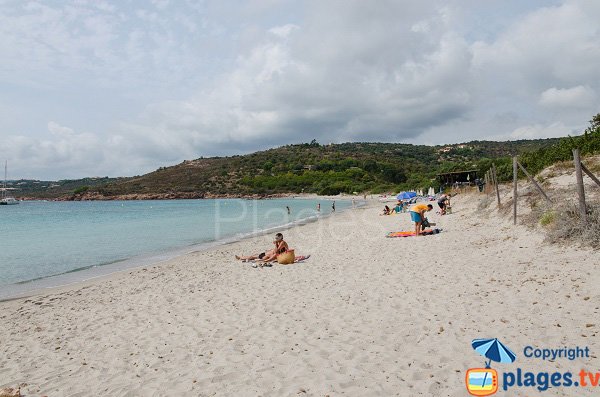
(43, 239)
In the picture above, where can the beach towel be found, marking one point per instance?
(411, 233)
(301, 258)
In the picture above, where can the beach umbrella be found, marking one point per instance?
(493, 349)
(406, 195)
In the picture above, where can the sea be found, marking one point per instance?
(46, 244)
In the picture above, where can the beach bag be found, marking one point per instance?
(286, 258)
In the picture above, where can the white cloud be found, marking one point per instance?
(59, 130)
(166, 81)
(66, 149)
(576, 97)
(552, 44)
(298, 85)
(536, 131)
(283, 31)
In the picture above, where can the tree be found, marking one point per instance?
(393, 174)
(370, 166)
(594, 124)
(267, 166)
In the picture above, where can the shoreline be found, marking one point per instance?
(185, 196)
(365, 315)
(90, 274)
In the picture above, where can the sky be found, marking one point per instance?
(121, 88)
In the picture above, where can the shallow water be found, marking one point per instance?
(43, 239)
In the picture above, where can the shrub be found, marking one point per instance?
(568, 226)
(548, 218)
(81, 189)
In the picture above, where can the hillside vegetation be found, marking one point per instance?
(536, 160)
(323, 169)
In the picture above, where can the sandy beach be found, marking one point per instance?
(364, 316)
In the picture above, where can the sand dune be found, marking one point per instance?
(364, 316)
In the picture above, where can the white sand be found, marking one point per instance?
(364, 316)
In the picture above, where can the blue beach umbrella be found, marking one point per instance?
(493, 349)
(406, 195)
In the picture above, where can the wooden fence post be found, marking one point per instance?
(537, 186)
(495, 177)
(580, 189)
(515, 171)
(486, 183)
(589, 173)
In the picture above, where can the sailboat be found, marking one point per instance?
(6, 199)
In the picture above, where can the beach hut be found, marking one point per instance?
(461, 177)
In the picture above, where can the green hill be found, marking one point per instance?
(315, 168)
(323, 169)
(55, 189)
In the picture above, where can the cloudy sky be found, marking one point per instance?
(119, 88)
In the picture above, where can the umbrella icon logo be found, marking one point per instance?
(484, 381)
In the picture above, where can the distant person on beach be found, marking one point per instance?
(399, 207)
(333, 207)
(288, 209)
(480, 184)
(280, 247)
(417, 214)
(319, 207)
(353, 203)
(386, 210)
(443, 202)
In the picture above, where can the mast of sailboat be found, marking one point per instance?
(5, 176)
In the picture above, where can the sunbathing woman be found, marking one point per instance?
(280, 247)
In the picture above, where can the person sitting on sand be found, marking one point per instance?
(386, 210)
(280, 247)
(417, 214)
(398, 207)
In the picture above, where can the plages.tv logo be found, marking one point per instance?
(484, 381)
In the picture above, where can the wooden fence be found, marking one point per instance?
(491, 184)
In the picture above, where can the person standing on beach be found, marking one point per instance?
(288, 209)
(417, 214)
(319, 207)
(333, 207)
(442, 202)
